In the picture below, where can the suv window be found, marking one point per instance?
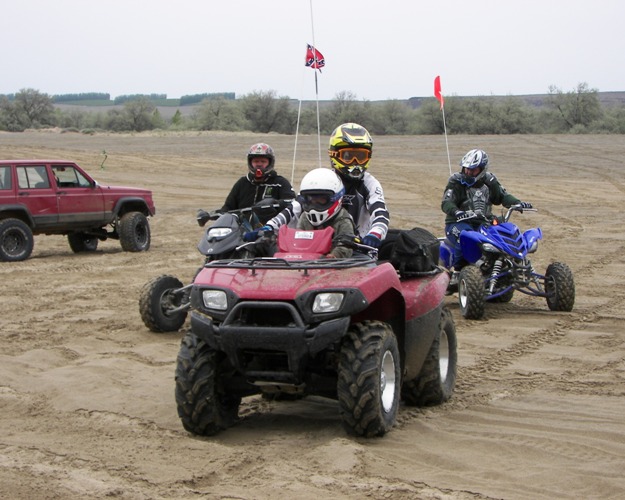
(5, 178)
(68, 176)
(32, 177)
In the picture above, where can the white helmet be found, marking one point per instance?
(474, 159)
(321, 195)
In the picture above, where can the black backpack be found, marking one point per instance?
(415, 252)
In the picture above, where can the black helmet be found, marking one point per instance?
(260, 150)
(476, 158)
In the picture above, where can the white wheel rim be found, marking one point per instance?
(387, 381)
(443, 355)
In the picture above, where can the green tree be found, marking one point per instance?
(157, 119)
(36, 106)
(346, 108)
(576, 109)
(267, 113)
(219, 114)
(139, 113)
(176, 120)
(391, 117)
(29, 109)
(10, 117)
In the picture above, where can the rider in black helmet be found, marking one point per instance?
(261, 181)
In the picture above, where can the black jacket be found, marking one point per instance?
(481, 196)
(246, 193)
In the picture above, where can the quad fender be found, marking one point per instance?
(531, 236)
(424, 299)
(445, 255)
(470, 242)
(222, 244)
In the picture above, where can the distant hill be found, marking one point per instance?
(607, 99)
(168, 108)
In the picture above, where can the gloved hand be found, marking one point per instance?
(372, 240)
(257, 233)
(525, 204)
(202, 217)
(461, 215)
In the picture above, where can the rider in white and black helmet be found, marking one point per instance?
(321, 201)
(472, 190)
(321, 196)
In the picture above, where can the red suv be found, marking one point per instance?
(59, 197)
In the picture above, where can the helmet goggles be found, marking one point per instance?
(349, 156)
(319, 200)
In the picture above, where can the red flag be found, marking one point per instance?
(314, 58)
(437, 91)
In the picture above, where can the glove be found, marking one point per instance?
(525, 204)
(462, 215)
(372, 240)
(254, 235)
(202, 217)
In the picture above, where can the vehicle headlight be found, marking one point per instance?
(218, 232)
(215, 299)
(327, 302)
(533, 247)
(487, 247)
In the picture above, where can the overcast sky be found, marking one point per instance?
(374, 49)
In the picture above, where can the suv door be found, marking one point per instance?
(80, 200)
(37, 194)
(6, 185)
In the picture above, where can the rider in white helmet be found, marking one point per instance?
(321, 201)
(321, 196)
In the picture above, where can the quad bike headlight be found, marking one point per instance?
(327, 302)
(215, 299)
(218, 232)
(487, 247)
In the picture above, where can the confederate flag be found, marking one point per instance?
(314, 58)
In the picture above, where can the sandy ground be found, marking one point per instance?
(87, 404)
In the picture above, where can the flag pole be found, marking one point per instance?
(446, 143)
(441, 99)
(312, 26)
(299, 113)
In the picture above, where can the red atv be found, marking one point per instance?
(298, 324)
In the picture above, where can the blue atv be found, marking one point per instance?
(497, 265)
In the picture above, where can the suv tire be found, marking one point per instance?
(16, 240)
(134, 232)
(82, 242)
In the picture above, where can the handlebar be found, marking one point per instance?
(478, 216)
(516, 208)
(264, 205)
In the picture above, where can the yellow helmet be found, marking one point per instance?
(350, 150)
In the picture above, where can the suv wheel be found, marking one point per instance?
(16, 240)
(82, 242)
(134, 232)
